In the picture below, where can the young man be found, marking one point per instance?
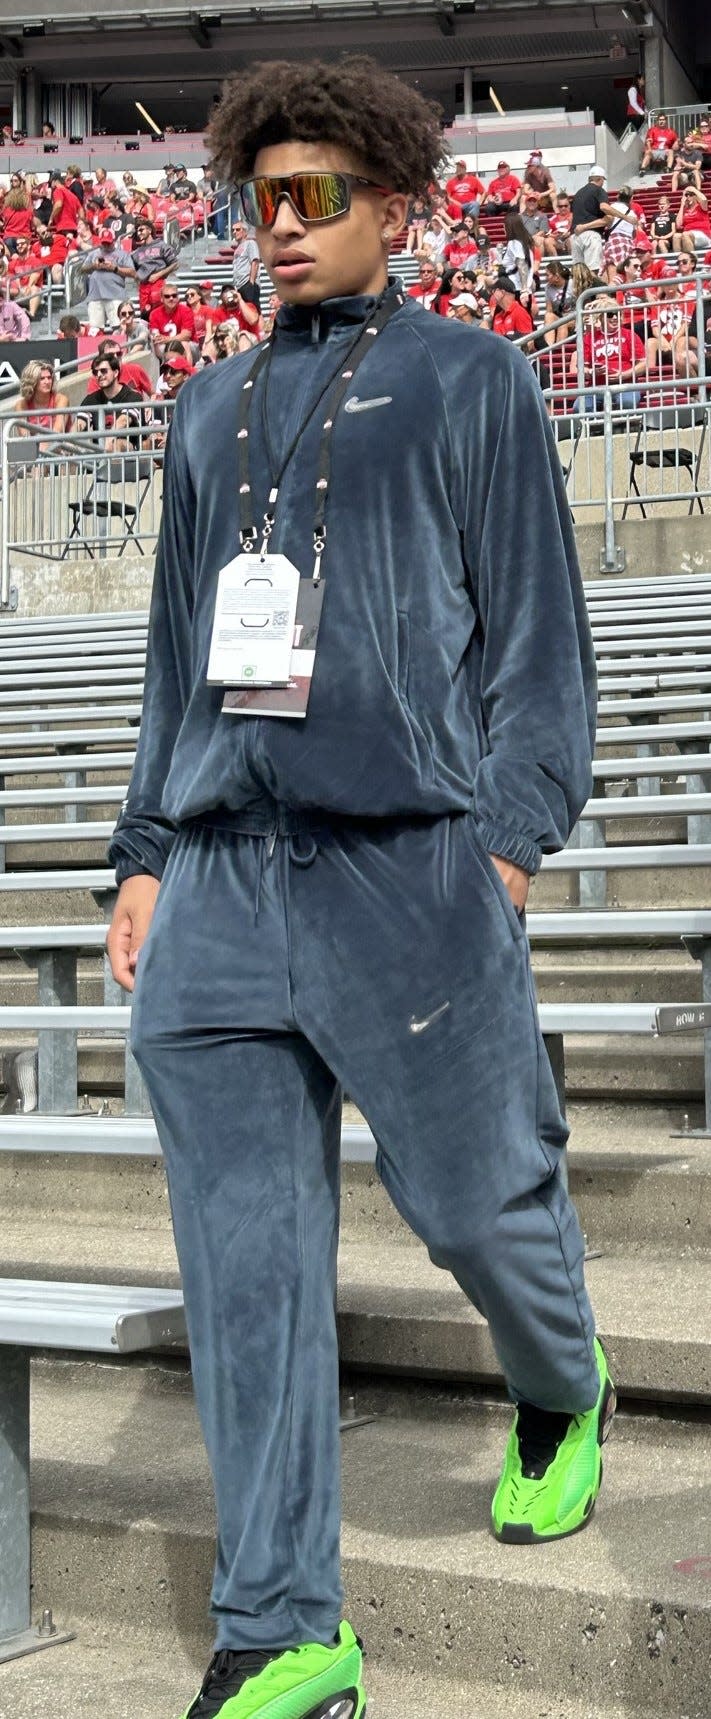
(344, 889)
(108, 269)
(659, 145)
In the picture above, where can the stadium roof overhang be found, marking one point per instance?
(406, 35)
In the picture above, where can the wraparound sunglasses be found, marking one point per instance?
(313, 196)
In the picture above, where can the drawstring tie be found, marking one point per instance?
(302, 848)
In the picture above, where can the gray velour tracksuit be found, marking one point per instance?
(329, 914)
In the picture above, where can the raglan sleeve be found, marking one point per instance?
(143, 837)
(538, 678)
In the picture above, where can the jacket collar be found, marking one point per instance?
(319, 321)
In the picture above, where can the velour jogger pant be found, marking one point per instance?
(387, 959)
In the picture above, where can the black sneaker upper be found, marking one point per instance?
(540, 1433)
(227, 1672)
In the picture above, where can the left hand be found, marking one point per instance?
(517, 881)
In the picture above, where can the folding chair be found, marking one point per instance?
(676, 458)
(97, 506)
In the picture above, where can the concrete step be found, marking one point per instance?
(398, 1314)
(640, 1184)
(123, 1536)
(117, 1672)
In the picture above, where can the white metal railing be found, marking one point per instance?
(85, 483)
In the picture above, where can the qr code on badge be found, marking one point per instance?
(280, 617)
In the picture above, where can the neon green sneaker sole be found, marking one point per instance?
(562, 1500)
(310, 1682)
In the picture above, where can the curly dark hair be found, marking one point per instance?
(384, 124)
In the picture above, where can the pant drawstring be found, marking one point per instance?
(305, 856)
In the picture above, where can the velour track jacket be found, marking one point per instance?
(454, 669)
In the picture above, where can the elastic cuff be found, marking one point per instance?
(507, 845)
(129, 868)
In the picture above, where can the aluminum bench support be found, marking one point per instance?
(55, 1315)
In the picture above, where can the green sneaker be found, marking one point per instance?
(310, 1682)
(553, 1468)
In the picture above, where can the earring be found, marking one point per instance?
(387, 232)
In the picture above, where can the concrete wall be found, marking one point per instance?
(654, 548)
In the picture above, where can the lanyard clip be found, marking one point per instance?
(319, 546)
(268, 523)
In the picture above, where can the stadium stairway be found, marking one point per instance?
(615, 1623)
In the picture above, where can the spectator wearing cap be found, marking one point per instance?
(182, 186)
(66, 206)
(464, 307)
(692, 224)
(460, 249)
(170, 320)
(153, 260)
(538, 179)
(236, 307)
(465, 189)
(107, 268)
(245, 259)
(14, 321)
(503, 191)
(590, 215)
(175, 370)
(426, 288)
(508, 316)
(165, 185)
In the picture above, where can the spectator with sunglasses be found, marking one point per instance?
(170, 318)
(132, 329)
(108, 390)
(344, 898)
(131, 375)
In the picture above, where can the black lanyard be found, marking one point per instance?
(335, 388)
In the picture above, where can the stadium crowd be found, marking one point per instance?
(511, 256)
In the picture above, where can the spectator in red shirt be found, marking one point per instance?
(612, 354)
(670, 327)
(561, 224)
(25, 276)
(461, 248)
(508, 316)
(66, 207)
(453, 282)
(426, 288)
(503, 192)
(692, 224)
(170, 319)
(465, 189)
(17, 213)
(236, 307)
(51, 251)
(203, 314)
(659, 145)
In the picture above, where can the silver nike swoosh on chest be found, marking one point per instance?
(356, 405)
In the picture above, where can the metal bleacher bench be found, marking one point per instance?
(92, 1317)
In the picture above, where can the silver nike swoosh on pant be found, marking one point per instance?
(428, 1020)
